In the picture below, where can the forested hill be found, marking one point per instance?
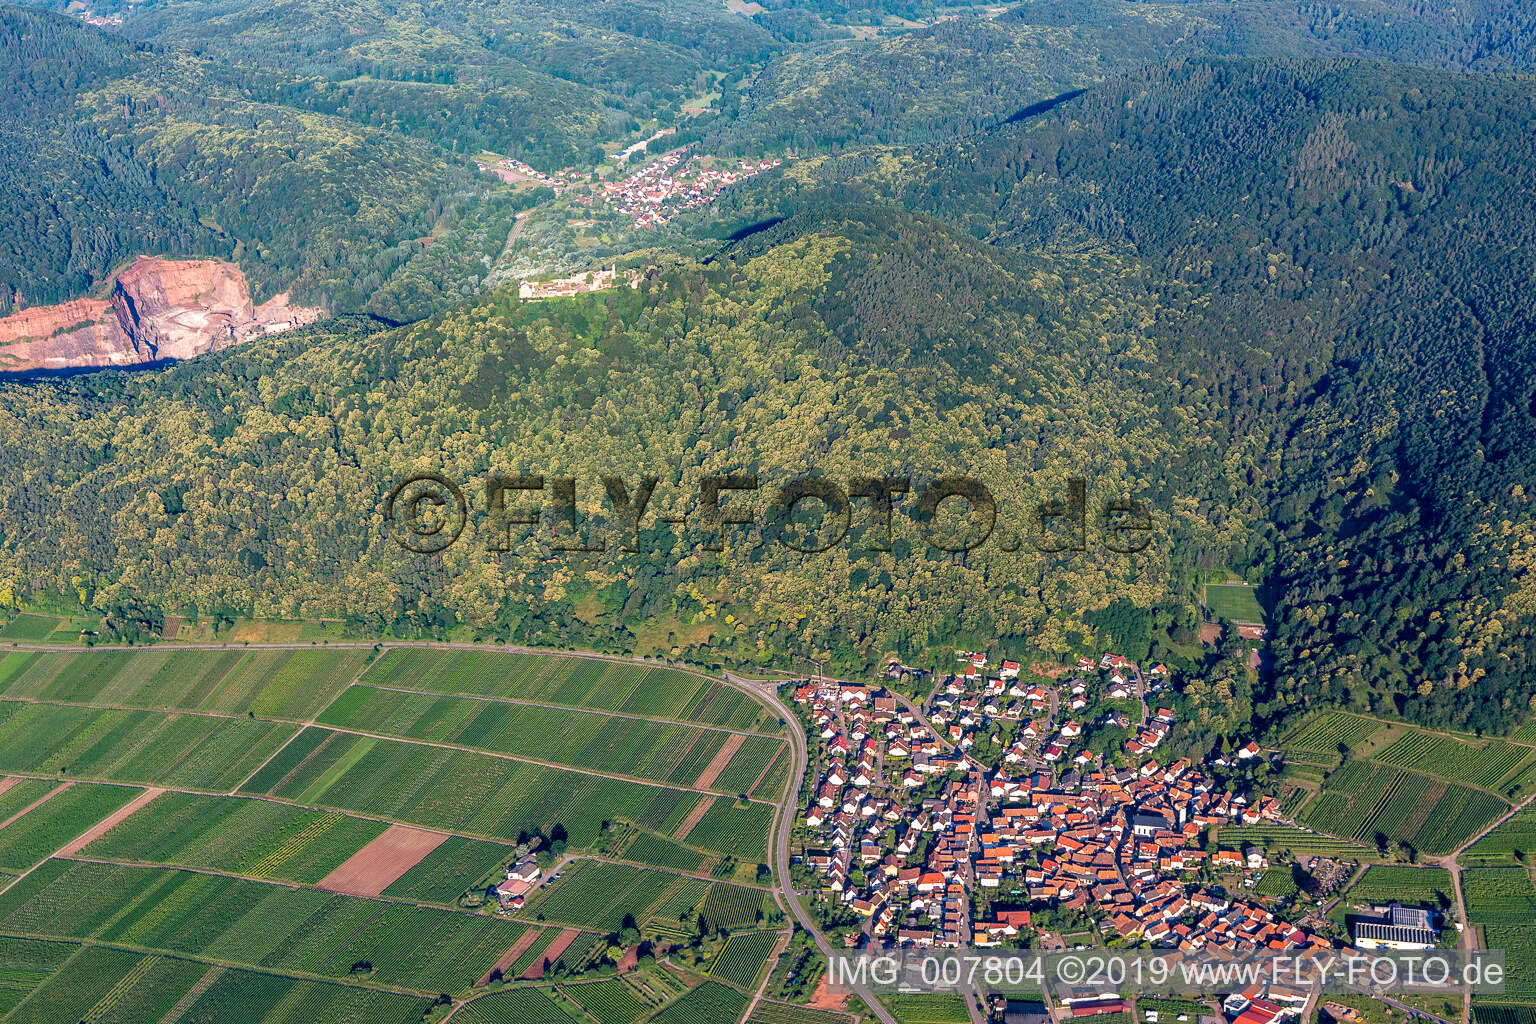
(1365, 233)
(968, 74)
(112, 148)
(859, 343)
(1343, 250)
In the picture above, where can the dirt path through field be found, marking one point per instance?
(55, 791)
(694, 817)
(8, 782)
(715, 767)
(108, 823)
(509, 958)
(560, 945)
(377, 866)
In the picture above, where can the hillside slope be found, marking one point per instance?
(858, 343)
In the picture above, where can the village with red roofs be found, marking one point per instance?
(990, 816)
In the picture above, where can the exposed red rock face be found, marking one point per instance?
(158, 309)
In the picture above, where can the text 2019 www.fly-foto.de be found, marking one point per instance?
(428, 513)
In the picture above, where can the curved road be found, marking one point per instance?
(769, 692)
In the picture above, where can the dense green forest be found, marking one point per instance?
(114, 148)
(1339, 249)
(971, 73)
(820, 349)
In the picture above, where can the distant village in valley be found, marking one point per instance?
(985, 815)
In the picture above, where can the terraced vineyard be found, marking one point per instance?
(42, 831)
(62, 983)
(1363, 800)
(783, 1013)
(1390, 883)
(930, 1009)
(609, 1002)
(732, 906)
(1512, 842)
(257, 838)
(516, 1006)
(1279, 838)
(446, 873)
(197, 874)
(597, 894)
(1324, 732)
(257, 924)
(484, 796)
(1506, 768)
(1502, 902)
(192, 751)
(581, 739)
(571, 682)
(709, 1003)
(27, 963)
(650, 849)
(743, 958)
(270, 684)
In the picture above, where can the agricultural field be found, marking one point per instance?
(635, 689)
(645, 848)
(596, 894)
(1512, 842)
(27, 963)
(1391, 883)
(291, 685)
(709, 1003)
(267, 999)
(257, 838)
(1170, 1010)
(28, 627)
(1326, 731)
(784, 1013)
(446, 873)
(1498, 765)
(1233, 603)
(1287, 839)
(743, 958)
(257, 924)
(660, 751)
(1490, 1013)
(516, 1006)
(484, 796)
(1276, 883)
(51, 825)
(192, 751)
(608, 1002)
(1363, 799)
(17, 794)
(929, 1009)
(1502, 902)
(732, 906)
